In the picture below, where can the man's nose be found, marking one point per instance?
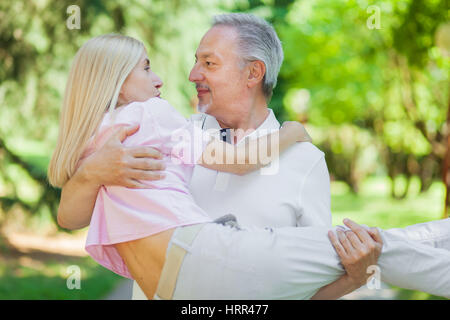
(195, 74)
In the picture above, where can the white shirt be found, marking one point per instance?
(297, 195)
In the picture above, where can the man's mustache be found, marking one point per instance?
(201, 86)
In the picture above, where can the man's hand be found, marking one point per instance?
(114, 164)
(358, 249)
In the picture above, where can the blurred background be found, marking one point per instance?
(369, 78)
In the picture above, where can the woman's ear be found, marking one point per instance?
(120, 98)
(257, 70)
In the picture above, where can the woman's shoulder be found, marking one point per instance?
(154, 107)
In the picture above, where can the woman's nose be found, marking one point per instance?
(157, 82)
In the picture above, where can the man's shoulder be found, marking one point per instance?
(304, 154)
(309, 148)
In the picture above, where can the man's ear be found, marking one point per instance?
(257, 70)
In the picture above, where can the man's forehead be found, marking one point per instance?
(204, 54)
(216, 40)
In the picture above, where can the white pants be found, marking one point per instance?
(295, 262)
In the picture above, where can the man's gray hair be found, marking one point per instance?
(257, 41)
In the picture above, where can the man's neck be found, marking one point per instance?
(245, 122)
(249, 113)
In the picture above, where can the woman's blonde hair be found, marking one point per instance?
(98, 71)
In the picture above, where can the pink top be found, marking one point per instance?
(122, 214)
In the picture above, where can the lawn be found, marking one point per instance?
(40, 275)
(374, 207)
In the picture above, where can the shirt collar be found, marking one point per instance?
(270, 123)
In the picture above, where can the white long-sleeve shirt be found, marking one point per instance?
(298, 194)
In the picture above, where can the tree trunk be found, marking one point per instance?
(445, 167)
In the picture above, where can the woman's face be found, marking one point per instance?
(141, 84)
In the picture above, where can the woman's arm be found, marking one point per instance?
(242, 159)
(113, 164)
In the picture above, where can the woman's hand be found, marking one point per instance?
(358, 249)
(298, 130)
(115, 164)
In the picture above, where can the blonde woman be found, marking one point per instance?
(162, 239)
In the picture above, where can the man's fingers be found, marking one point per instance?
(362, 233)
(354, 240)
(345, 242)
(147, 175)
(125, 131)
(375, 233)
(147, 164)
(336, 244)
(135, 184)
(145, 152)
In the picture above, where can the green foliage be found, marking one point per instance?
(391, 83)
(376, 99)
(35, 55)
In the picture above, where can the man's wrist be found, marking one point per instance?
(84, 177)
(351, 283)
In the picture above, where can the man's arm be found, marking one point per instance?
(315, 207)
(315, 196)
(113, 164)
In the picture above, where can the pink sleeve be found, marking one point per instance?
(180, 138)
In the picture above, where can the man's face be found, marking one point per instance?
(217, 73)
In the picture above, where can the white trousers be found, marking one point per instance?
(295, 262)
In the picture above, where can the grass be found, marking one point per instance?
(25, 278)
(373, 206)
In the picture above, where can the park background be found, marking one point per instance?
(369, 78)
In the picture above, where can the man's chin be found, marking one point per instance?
(203, 107)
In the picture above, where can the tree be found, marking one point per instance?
(36, 49)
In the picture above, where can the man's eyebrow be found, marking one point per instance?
(204, 55)
(146, 62)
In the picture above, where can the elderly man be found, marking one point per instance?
(236, 69)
